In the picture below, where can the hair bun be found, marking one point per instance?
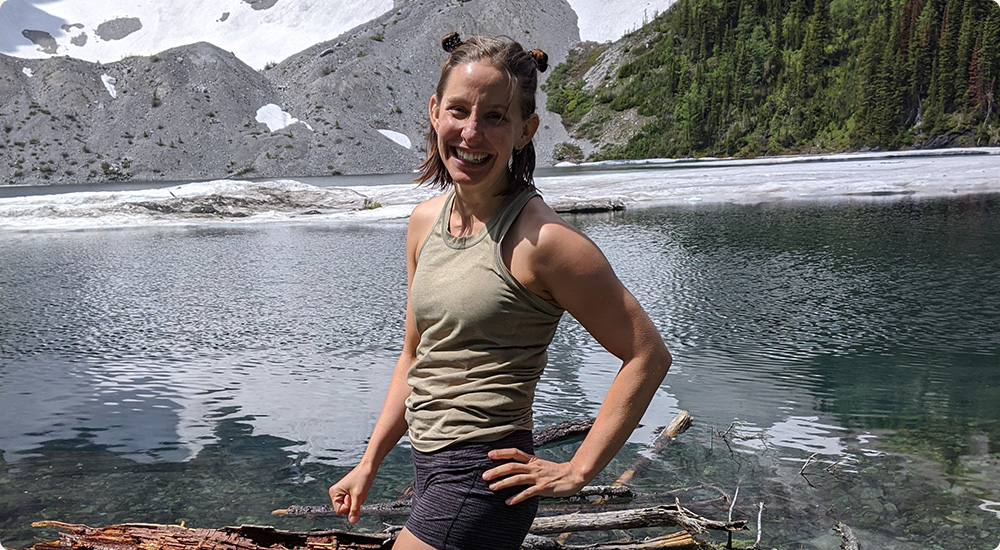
(451, 41)
(541, 59)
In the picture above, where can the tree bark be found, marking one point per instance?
(147, 536)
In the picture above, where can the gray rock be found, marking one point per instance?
(116, 29)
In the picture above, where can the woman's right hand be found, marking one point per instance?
(348, 494)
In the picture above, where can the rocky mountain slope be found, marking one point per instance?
(192, 112)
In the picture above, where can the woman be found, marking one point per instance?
(490, 270)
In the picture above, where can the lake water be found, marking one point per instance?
(835, 328)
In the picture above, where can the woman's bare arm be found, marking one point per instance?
(565, 267)
(348, 494)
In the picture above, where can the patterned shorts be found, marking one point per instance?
(454, 509)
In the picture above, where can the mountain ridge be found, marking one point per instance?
(191, 112)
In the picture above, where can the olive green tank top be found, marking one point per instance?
(483, 336)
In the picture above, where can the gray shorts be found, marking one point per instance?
(453, 509)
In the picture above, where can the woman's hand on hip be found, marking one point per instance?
(541, 477)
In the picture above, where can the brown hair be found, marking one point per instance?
(522, 67)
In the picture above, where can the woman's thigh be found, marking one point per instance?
(406, 541)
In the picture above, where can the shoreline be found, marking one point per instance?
(585, 188)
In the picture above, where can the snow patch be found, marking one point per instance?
(28, 73)
(276, 119)
(607, 20)
(254, 35)
(397, 137)
(109, 84)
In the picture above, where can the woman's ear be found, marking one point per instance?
(528, 130)
(434, 110)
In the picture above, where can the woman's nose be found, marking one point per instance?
(470, 132)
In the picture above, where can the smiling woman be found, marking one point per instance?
(490, 270)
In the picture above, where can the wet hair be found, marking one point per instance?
(522, 68)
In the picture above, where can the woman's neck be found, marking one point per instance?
(473, 208)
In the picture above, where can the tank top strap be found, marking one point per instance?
(510, 213)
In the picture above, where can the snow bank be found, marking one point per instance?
(109, 84)
(275, 118)
(28, 73)
(397, 137)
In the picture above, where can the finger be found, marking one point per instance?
(522, 496)
(512, 481)
(510, 468)
(510, 454)
(355, 504)
(336, 498)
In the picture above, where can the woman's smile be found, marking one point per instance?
(471, 158)
(478, 125)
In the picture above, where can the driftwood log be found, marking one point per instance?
(562, 432)
(656, 516)
(147, 536)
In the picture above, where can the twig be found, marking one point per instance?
(729, 535)
(808, 462)
(760, 513)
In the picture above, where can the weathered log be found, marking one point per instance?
(675, 541)
(147, 536)
(561, 432)
(657, 516)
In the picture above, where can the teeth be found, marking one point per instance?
(467, 157)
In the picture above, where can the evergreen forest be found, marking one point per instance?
(765, 77)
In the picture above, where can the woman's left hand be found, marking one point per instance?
(542, 477)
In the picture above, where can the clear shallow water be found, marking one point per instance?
(212, 373)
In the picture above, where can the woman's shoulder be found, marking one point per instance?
(424, 213)
(422, 219)
(539, 218)
(551, 235)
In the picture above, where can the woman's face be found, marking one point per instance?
(479, 124)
